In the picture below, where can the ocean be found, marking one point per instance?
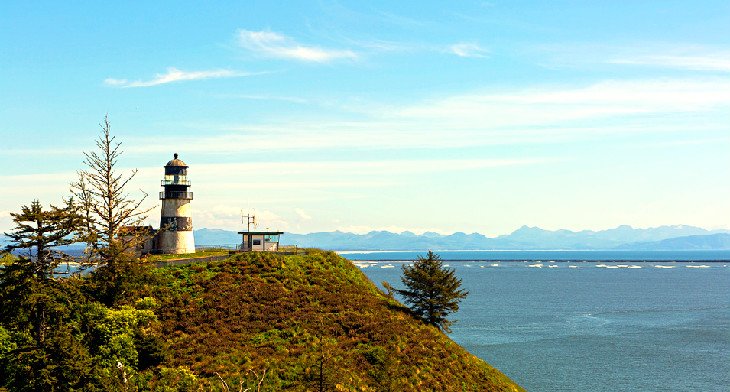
(592, 324)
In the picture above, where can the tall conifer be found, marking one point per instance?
(432, 291)
(39, 231)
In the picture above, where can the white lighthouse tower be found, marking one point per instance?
(176, 223)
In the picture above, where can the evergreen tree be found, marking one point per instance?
(26, 284)
(35, 308)
(432, 291)
(38, 231)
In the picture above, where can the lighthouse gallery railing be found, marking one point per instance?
(175, 182)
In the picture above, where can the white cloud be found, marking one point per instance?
(704, 62)
(175, 75)
(607, 99)
(264, 97)
(468, 49)
(540, 115)
(276, 45)
(116, 82)
(318, 169)
(302, 214)
(229, 217)
(676, 56)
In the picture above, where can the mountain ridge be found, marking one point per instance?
(718, 241)
(524, 238)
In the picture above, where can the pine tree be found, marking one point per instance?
(432, 291)
(38, 231)
(27, 287)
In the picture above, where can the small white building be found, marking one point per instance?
(260, 241)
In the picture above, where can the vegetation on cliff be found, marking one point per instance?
(308, 321)
(261, 321)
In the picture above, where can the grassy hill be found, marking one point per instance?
(300, 323)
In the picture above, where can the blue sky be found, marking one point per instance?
(356, 116)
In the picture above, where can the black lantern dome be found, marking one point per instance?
(176, 162)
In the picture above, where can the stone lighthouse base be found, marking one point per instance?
(176, 242)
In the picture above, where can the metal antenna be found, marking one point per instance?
(248, 219)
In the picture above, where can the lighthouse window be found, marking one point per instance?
(175, 179)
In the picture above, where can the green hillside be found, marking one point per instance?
(256, 322)
(310, 322)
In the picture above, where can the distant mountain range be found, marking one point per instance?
(719, 241)
(679, 237)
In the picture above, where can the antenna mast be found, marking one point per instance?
(248, 219)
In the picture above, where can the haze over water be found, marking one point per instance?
(579, 327)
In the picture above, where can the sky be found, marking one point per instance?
(468, 116)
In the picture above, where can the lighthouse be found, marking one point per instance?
(176, 222)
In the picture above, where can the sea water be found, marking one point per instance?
(545, 255)
(593, 325)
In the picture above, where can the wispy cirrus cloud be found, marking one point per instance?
(619, 99)
(681, 57)
(272, 44)
(303, 169)
(706, 62)
(175, 75)
(264, 97)
(541, 115)
(468, 49)
(461, 49)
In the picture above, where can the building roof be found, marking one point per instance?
(176, 162)
(261, 232)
